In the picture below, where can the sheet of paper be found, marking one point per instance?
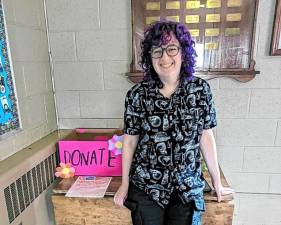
(89, 186)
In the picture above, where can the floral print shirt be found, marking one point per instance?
(167, 155)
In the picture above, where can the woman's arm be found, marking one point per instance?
(129, 146)
(209, 152)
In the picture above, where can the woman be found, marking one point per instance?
(168, 119)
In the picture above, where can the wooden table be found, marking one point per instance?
(90, 211)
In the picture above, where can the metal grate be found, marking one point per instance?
(43, 175)
(54, 163)
(15, 199)
(50, 168)
(9, 204)
(47, 172)
(21, 193)
(35, 182)
(39, 181)
(25, 190)
(30, 186)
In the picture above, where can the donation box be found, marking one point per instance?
(96, 152)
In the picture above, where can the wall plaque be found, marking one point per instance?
(223, 32)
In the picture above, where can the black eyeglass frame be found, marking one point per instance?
(164, 49)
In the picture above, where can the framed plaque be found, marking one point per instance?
(222, 29)
(276, 34)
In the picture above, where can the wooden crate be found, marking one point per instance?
(103, 211)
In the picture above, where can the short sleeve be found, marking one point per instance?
(210, 120)
(132, 113)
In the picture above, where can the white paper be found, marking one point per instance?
(89, 187)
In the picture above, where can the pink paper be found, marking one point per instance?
(101, 138)
(90, 158)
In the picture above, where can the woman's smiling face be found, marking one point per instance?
(168, 66)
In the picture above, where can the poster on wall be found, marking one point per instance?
(9, 117)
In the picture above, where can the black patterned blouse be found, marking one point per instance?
(167, 156)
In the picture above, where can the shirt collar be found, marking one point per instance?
(181, 89)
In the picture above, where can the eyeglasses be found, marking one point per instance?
(171, 50)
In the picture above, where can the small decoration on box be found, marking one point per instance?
(116, 144)
(65, 170)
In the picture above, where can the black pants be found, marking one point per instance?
(145, 211)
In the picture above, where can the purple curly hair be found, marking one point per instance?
(158, 34)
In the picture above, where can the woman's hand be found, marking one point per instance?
(222, 191)
(121, 194)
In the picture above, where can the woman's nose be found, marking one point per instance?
(165, 55)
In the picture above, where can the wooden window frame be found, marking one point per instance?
(276, 34)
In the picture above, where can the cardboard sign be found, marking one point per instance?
(91, 157)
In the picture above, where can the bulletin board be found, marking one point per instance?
(223, 31)
(9, 117)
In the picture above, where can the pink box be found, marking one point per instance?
(88, 152)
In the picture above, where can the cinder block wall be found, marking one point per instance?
(29, 49)
(91, 48)
(249, 131)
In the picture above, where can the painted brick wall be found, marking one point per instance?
(91, 50)
(248, 135)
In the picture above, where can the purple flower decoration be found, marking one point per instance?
(115, 144)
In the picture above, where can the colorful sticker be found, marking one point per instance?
(115, 144)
